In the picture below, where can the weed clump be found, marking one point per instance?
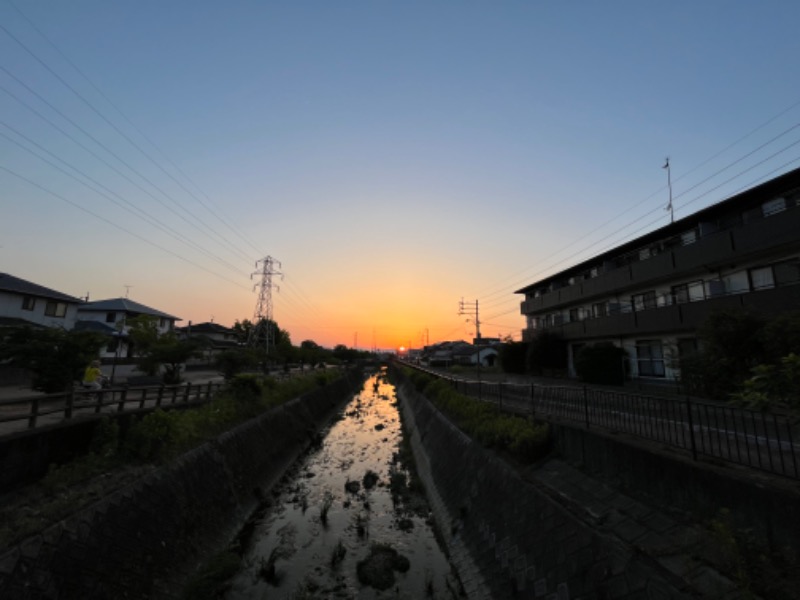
(377, 570)
(523, 438)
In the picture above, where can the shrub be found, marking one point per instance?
(602, 363)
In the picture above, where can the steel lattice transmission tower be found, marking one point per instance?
(262, 317)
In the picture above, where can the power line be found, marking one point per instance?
(133, 125)
(122, 202)
(115, 225)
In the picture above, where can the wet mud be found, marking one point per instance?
(349, 520)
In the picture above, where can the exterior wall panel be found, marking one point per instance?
(768, 232)
(653, 269)
(709, 250)
(658, 320)
(607, 283)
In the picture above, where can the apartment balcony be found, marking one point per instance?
(777, 233)
(768, 233)
(675, 318)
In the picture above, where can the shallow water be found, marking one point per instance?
(316, 553)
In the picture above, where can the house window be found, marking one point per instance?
(762, 278)
(650, 358)
(112, 345)
(162, 323)
(111, 317)
(688, 292)
(28, 302)
(774, 206)
(644, 301)
(600, 309)
(55, 309)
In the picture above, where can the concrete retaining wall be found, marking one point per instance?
(521, 543)
(767, 506)
(140, 541)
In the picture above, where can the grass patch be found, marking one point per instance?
(523, 438)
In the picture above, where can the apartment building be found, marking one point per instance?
(650, 295)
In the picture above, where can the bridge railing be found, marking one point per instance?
(35, 411)
(756, 439)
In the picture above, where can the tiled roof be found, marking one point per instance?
(9, 283)
(16, 322)
(198, 328)
(95, 326)
(123, 305)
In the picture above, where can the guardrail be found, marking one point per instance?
(760, 440)
(35, 411)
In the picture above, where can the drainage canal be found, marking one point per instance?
(350, 519)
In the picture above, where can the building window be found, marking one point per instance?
(600, 309)
(787, 273)
(688, 237)
(650, 358)
(111, 317)
(162, 323)
(644, 301)
(774, 206)
(688, 292)
(55, 309)
(736, 283)
(762, 278)
(28, 302)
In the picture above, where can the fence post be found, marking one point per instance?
(143, 398)
(500, 392)
(186, 393)
(99, 405)
(208, 391)
(586, 405)
(533, 400)
(122, 398)
(691, 427)
(34, 413)
(160, 395)
(70, 404)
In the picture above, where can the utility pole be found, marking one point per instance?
(463, 310)
(669, 185)
(262, 317)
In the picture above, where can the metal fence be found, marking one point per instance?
(761, 440)
(35, 411)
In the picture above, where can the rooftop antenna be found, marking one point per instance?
(669, 185)
(127, 289)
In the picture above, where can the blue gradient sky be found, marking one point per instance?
(396, 157)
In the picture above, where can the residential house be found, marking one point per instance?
(215, 338)
(113, 317)
(650, 295)
(26, 303)
(467, 354)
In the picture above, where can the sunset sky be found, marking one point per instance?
(396, 157)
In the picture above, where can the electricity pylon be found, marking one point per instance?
(263, 323)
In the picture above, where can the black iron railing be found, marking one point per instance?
(761, 440)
